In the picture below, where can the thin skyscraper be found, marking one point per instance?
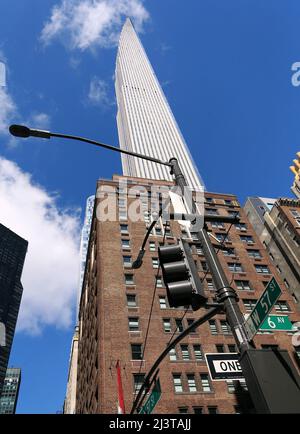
(145, 121)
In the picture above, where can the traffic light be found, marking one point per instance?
(181, 276)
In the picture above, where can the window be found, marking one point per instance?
(235, 267)
(198, 410)
(220, 348)
(152, 247)
(173, 355)
(179, 326)
(230, 386)
(177, 383)
(225, 327)
(183, 410)
(185, 352)
(228, 201)
(205, 383)
(138, 380)
(162, 302)
(199, 251)
(136, 351)
(282, 306)
(159, 282)
(232, 348)
(254, 254)
(167, 325)
(122, 214)
(129, 279)
(124, 229)
(222, 238)
(243, 285)
(191, 382)
(295, 213)
(233, 213)
(125, 244)
(241, 227)
(209, 200)
(229, 252)
(131, 300)
(213, 327)
(190, 322)
(127, 261)
(203, 265)
(247, 239)
(133, 324)
(249, 304)
(198, 352)
(155, 262)
(297, 351)
(278, 269)
(217, 225)
(158, 230)
(262, 269)
(211, 211)
(286, 283)
(210, 284)
(212, 410)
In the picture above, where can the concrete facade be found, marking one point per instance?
(70, 400)
(115, 306)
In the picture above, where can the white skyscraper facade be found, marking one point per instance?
(145, 121)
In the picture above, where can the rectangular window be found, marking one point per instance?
(222, 238)
(173, 355)
(217, 225)
(191, 383)
(225, 327)
(199, 251)
(127, 261)
(198, 352)
(138, 380)
(179, 325)
(131, 300)
(262, 269)
(155, 262)
(212, 410)
(162, 302)
(230, 386)
(232, 348)
(209, 199)
(229, 252)
(247, 239)
(129, 279)
(122, 214)
(136, 351)
(241, 227)
(235, 267)
(213, 327)
(124, 229)
(198, 410)
(206, 387)
(133, 324)
(159, 282)
(152, 246)
(220, 348)
(249, 304)
(211, 211)
(177, 383)
(210, 284)
(167, 325)
(183, 410)
(243, 285)
(282, 306)
(185, 352)
(190, 322)
(254, 254)
(125, 244)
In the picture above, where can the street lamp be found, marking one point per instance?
(265, 387)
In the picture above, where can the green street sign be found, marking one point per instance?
(153, 399)
(262, 307)
(277, 322)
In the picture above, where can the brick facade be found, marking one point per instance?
(107, 303)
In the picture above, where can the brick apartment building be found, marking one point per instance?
(116, 301)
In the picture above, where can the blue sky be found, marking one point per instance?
(225, 67)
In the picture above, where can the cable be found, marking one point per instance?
(150, 314)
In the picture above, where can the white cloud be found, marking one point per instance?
(8, 110)
(50, 273)
(88, 23)
(98, 93)
(40, 120)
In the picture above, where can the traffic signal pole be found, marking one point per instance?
(225, 294)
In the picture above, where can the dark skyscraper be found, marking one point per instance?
(10, 391)
(12, 255)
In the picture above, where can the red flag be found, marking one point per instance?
(121, 405)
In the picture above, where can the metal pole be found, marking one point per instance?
(225, 293)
